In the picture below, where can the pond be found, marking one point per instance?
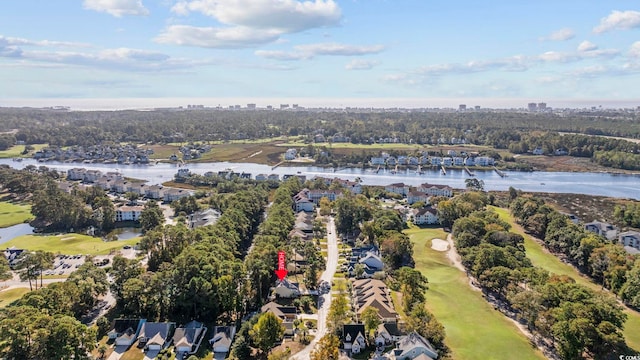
(14, 231)
(126, 233)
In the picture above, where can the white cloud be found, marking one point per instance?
(339, 49)
(282, 55)
(13, 41)
(587, 46)
(620, 20)
(253, 22)
(560, 35)
(117, 8)
(634, 51)
(212, 37)
(358, 64)
(284, 15)
(309, 51)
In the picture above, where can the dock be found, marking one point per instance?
(501, 173)
(472, 174)
(276, 165)
(444, 171)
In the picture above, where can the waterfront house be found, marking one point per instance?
(397, 188)
(436, 190)
(129, 213)
(417, 196)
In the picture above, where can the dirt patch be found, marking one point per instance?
(439, 245)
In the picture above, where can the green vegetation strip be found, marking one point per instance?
(69, 244)
(11, 295)
(474, 330)
(11, 214)
(542, 258)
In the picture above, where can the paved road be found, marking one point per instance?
(327, 275)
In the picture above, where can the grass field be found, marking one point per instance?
(11, 295)
(69, 244)
(474, 330)
(542, 258)
(12, 214)
(16, 151)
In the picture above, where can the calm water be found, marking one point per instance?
(14, 231)
(625, 186)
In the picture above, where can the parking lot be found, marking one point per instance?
(65, 264)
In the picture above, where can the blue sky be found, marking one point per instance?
(345, 50)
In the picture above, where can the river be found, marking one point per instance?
(605, 184)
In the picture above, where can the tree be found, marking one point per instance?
(325, 206)
(328, 348)
(267, 331)
(151, 216)
(412, 285)
(474, 184)
(132, 196)
(371, 319)
(102, 350)
(5, 270)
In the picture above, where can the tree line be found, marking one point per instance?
(576, 320)
(606, 262)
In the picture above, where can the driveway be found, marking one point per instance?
(324, 300)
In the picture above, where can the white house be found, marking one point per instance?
(387, 333)
(76, 174)
(261, 177)
(413, 346)
(436, 190)
(426, 216)
(155, 335)
(436, 160)
(129, 213)
(125, 331)
(398, 188)
(484, 161)
(447, 161)
(173, 194)
(187, 338)
(538, 151)
(273, 177)
(287, 289)
(416, 196)
(222, 338)
(301, 201)
(290, 154)
(373, 261)
(377, 160)
(603, 229)
(353, 338)
(630, 238)
(469, 161)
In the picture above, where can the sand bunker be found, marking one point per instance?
(439, 245)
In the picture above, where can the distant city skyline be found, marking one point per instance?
(357, 53)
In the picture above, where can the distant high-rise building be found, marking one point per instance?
(477, 107)
(237, 107)
(532, 106)
(269, 107)
(251, 106)
(542, 106)
(284, 106)
(295, 106)
(462, 107)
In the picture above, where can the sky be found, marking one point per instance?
(427, 53)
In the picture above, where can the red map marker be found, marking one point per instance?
(282, 264)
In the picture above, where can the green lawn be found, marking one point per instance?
(474, 330)
(12, 214)
(69, 244)
(542, 258)
(11, 295)
(16, 151)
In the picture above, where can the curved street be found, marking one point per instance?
(325, 299)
